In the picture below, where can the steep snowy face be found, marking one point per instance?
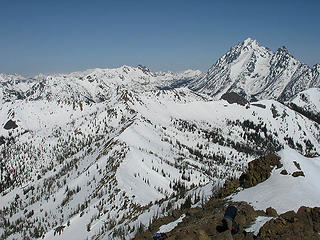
(256, 73)
(304, 78)
(241, 70)
(308, 101)
(291, 77)
(282, 68)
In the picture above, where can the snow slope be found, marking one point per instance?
(285, 192)
(309, 100)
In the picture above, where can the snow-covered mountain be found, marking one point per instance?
(103, 169)
(256, 73)
(99, 154)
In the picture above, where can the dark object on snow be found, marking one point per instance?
(160, 236)
(232, 97)
(259, 105)
(10, 125)
(298, 174)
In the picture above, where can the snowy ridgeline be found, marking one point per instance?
(108, 169)
(98, 167)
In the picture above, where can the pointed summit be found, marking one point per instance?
(283, 49)
(250, 42)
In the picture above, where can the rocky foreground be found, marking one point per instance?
(202, 222)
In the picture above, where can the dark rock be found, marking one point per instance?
(291, 225)
(226, 235)
(284, 172)
(288, 216)
(260, 213)
(245, 214)
(259, 105)
(298, 174)
(2, 140)
(271, 212)
(297, 165)
(10, 125)
(259, 170)
(304, 215)
(229, 188)
(232, 97)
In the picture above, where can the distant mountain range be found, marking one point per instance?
(253, 71)
(93, 85)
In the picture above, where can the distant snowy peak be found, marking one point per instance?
(240, 70)
(255, 72)
(184, 75)
(12, 87)
(10, 78)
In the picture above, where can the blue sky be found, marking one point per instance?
(64, 36)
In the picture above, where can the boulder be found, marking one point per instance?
(290, 225)
(259, 170)
(297, 165)
(10, 125)
(271, 212)
(298, 174)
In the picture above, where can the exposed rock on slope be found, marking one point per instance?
(232, 97)
(202, 222)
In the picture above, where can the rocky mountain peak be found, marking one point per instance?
(249, 42)
(144, 68)
(317, 67)
(283, 51)
(255, 72)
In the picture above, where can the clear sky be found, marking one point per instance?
(63, 36)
